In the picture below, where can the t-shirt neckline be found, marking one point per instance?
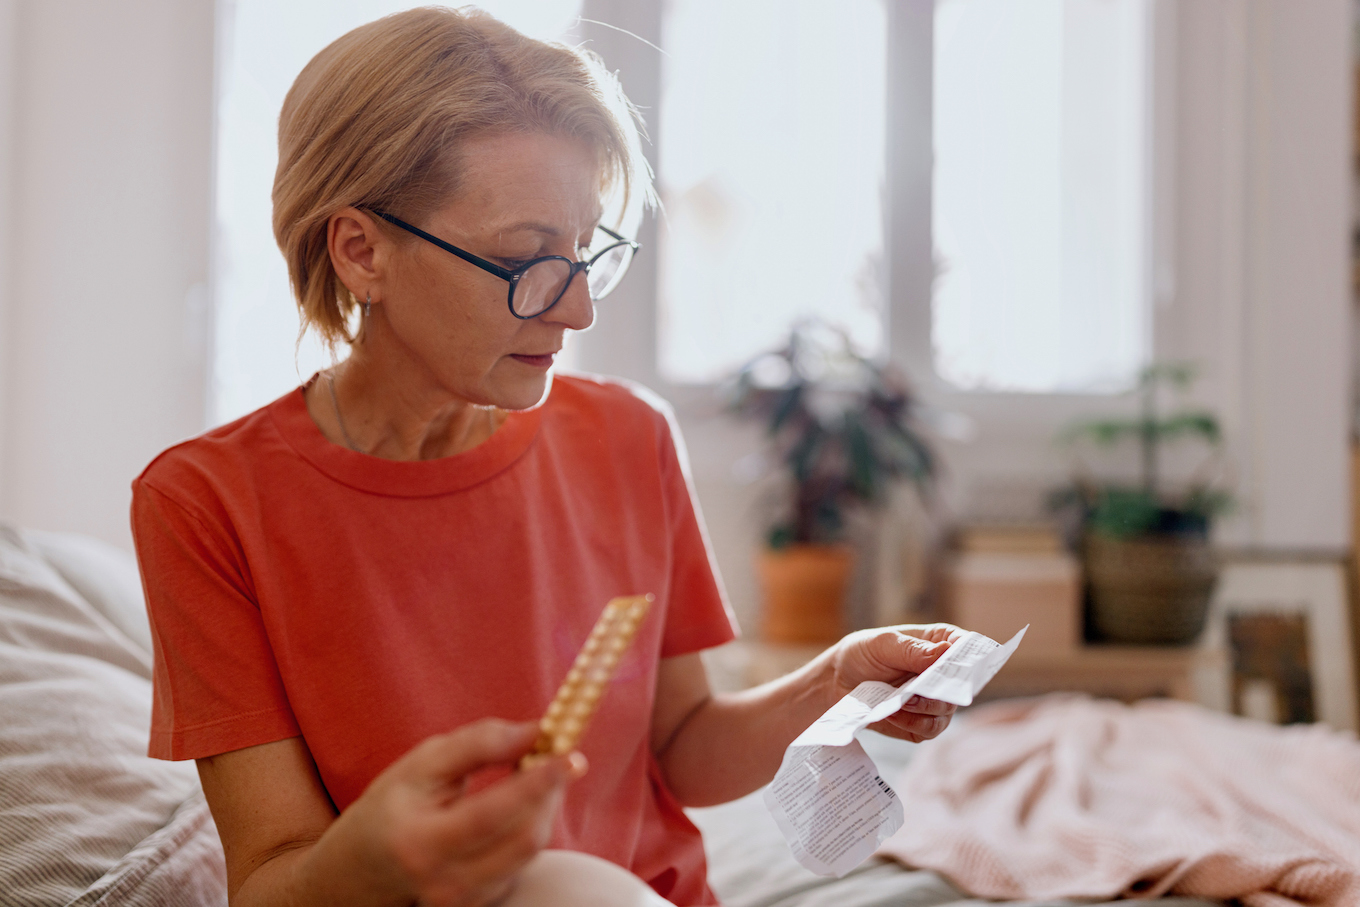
(401, 478)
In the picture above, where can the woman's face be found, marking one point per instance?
(523, 196)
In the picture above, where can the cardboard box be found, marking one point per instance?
(1009, 538)
(998, 593)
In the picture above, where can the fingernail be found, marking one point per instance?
(577, 765)
(915, 700)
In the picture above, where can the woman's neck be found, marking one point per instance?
(361, 405)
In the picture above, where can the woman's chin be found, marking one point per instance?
(524, 393)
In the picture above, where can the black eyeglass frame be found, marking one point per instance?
(513, 276)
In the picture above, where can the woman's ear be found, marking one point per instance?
(359, 251)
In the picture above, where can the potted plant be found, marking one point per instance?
(1149, 566)
(842, 429)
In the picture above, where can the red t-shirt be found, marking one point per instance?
(297, 587)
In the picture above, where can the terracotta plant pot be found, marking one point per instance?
(1151, 590)
(804, 591)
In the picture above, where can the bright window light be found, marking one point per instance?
(771, 173)
(1041, 194)
(266, 44)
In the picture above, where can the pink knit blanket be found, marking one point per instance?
(1066, 796)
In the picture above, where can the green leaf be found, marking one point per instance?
(1202, 424)
(1124, 513)
(787, 403)
(914, 459)
(1208, 503)
(864, 466)
(828, 522)
(781, 536)
(804, 453)
(1104, 432)
(1178, 374)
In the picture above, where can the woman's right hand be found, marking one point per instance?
(455, 848)
(416, 834)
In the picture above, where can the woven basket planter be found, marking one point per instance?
(1152, 590)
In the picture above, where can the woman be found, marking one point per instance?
(364, 594)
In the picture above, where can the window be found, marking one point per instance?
(1041, 194)
(771, 172)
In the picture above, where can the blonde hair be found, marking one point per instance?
(376, 119)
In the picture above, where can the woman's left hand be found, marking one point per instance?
(894, 655)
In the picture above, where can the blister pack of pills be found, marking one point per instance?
(560, 729)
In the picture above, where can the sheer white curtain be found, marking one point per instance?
(264, 44)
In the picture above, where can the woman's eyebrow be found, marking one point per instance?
(532, 226)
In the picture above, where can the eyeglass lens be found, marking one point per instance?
(540, 286)
(604, 275)
(545, 282)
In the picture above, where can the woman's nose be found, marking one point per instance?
(575, 310)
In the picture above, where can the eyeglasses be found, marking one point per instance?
(539, 284)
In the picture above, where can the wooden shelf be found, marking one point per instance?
(1126, 673)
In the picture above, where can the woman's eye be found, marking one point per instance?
(514, 264)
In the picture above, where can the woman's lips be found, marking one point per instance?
(544, 360)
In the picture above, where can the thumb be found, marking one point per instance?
(908, 654)
(490, 741)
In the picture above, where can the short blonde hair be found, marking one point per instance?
(376, 119)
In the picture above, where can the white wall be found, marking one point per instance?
(1263, 257)
(106, 144)
(8, 74)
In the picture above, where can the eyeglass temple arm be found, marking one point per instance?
(619, 237)
(502, 273)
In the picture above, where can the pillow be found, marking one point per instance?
(78, 796)
(174, 866)
(104, 576)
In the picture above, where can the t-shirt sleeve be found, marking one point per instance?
(216, 683)
(698, 614)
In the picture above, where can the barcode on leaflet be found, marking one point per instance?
(886, 789)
